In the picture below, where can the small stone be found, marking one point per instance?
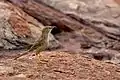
(6, 69)
(20, 76)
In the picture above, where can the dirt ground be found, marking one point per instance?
(55, 66)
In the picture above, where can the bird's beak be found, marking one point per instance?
(51, 27)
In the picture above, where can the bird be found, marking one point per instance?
(41, 44)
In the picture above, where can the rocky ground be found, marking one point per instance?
(56, 66)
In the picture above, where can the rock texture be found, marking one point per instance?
(57, 66)
(97, 26)
(97, 34)
(101, 18)
(17, 28)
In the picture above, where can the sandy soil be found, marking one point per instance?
(55, 66)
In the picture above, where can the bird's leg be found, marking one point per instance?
(38, 50)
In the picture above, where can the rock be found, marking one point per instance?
(94, 9)
(103, 54)
(53, 43)
(103, 14)
(5, 69)
(20, 76)
(17, 28)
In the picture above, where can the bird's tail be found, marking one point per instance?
(20, 55)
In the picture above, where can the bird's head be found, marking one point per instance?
(47, 30)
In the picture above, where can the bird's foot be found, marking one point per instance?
(41, 59)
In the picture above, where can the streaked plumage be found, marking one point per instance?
(41, 44)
